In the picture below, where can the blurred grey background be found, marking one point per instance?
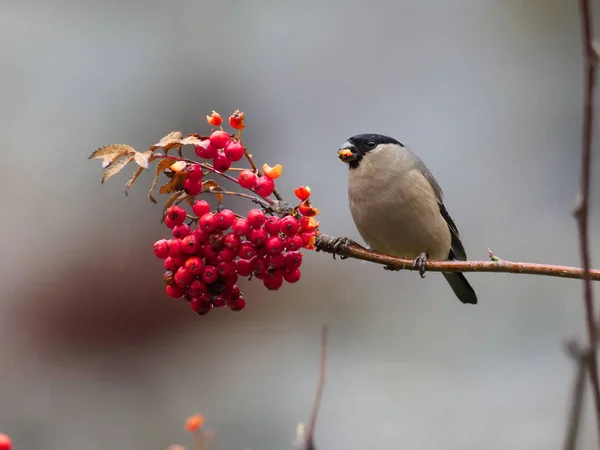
(93, 355)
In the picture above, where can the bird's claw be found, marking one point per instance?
(420, 264)
(340, 246)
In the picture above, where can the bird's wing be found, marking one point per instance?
(457, 250)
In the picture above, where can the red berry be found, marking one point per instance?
(293, 260)
(201, 305)
(244, 267)
(289, 225)
(175, 247)
(210, 274)
(206, 150)
(258, 237)
(232, 292)
(272, 225)
(236, 120)
(225, 219)
(170, 223)
(259, 264)
(221, 163)
(194, 172)
(247, 179)
(171, 264)
(307, 239)
(237, 305)
(256, 218)
(247, 250)
(197, 287)
(194, 265)
(192, 187)
(276, 261)
(227, 254)
(293, 243)
(241, 227)
(218, 301)
(234, 151)
(261, 250)
(209, 252)
(229, 280)
(183, 278)
(5, 442)
(214, 119)
(216, 241)
(201, 207)
(226, 268)
(264, 186)
(291, 276)
(232, 241)
(190, 245)
(274, 245)
(272, 282)
(176, 214)
(208, 223)
(161, 249)
(181, 231)
(219, 139)
(174, 291)
(201, 236)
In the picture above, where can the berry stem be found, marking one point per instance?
(261, 202)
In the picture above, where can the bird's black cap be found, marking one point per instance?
(359, 145)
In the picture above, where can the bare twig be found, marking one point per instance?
(582, 208)
(326, 244)
(581, 357)
(257, 200)
(310, 445)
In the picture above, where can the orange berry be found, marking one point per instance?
(214, 119)
(194, 423)
(236, 120)
(309, 223)
(272, 172)
(302, 193)
(307, 210)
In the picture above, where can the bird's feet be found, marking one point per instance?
(420, 264)
(340, 246)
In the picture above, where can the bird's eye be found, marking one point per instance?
(371, 145)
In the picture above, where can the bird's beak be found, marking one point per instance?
(347, 152)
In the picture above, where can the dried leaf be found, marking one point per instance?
(179, 196)
(164, 164)
(169, 141)
(178, 166)
(137, 173)
(213, 186)
(191, 140)
(142, 158)
(174, 185)
(116, 166)
(110, 153)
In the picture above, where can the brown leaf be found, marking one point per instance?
(137, 173)
(169, 141)
(176, 184)
(116, 166)
(142, 158)
(213, 186)
(190, 140)
(110, 153)
(164, 164)
(178, 197)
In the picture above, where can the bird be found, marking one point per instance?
(398, 208)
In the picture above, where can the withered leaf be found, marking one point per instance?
(190, 140)
(174, 185)
(178, 197)
(213, 186)
(137, 173)
(163, 164)
(116, 166)
(169, 141)
(142, 158)
(110, 153)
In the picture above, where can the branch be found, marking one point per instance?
(352, 250)
(310, 445)
(582, 209)
(581, 357)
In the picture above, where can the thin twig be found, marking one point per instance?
(581, 357)
(260, 201)
(582, 208)
(325, 244)
(310, 443)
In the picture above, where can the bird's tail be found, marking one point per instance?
(461, 287)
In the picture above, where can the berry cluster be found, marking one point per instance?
(203, 264)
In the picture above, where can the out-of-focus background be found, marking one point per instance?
(93, 355)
